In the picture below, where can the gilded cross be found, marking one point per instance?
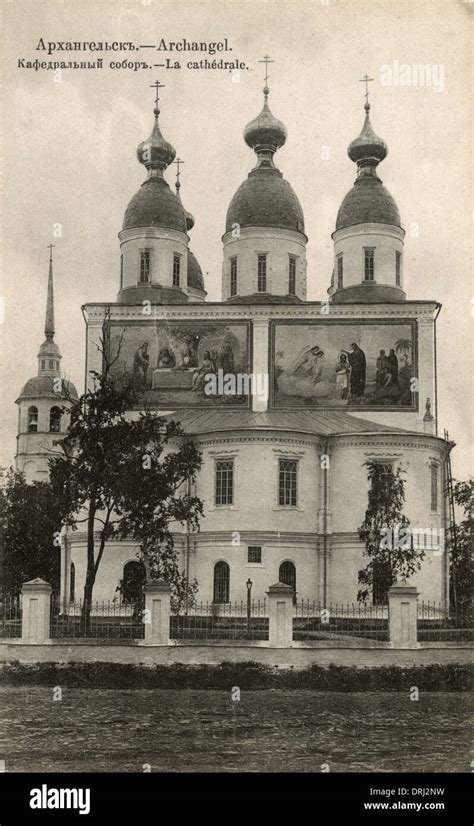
(366, 79)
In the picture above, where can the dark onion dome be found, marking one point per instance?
(195, 276)
(43, 387)
(265, 199)
(368, 201)
(155, 205)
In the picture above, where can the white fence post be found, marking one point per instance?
(36, 611)
(280, 612)
(157, 613)
(402, 612)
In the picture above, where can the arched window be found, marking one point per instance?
(72, 582)
(221, 582)
(55, 420)
(133, 580)
(32, 420)
(287, 575)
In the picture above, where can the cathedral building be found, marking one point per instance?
(287, 399)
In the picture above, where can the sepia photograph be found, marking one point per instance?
(236, 479)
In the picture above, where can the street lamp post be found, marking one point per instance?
(249, 584)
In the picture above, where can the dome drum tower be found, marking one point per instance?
(368, 241)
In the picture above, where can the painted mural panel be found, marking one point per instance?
(343, 365)
(183, 363)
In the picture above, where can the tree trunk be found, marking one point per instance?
(90, 574)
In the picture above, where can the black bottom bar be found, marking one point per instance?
(382, 798)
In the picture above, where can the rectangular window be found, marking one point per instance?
(287, 483)
(225, 482)
(292, 276)
(369, 269)
(398, 268)
(51, 364)
(254, 554)
(262, 274)
(434, 487)
(121, 271)
(233, 275)
(145, 266)
(340, 272)
(176, 270)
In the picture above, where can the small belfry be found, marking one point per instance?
(265, 241)
(154, 240)
(41, 400)
(368, 240)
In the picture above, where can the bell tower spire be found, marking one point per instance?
(49, 319)
(49, 356)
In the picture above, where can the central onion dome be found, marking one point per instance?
(265, 199)
(368, 201)
(155, 204)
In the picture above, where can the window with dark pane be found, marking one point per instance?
(369, 265)
(292, 276)
(221, 582)
(145, 266)
(262, 273)
(287, 483)
(254, 554)
(176, 270)
(225, 482)
(233, 275)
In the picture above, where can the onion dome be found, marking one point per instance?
(265, 198)
(43, 387)
(265, 133)
(368, 201)
(155, 205)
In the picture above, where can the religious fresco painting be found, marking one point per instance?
(341, 365)
(182, 363)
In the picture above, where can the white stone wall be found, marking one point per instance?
(278, 245)
(350, 242)
(163, 245)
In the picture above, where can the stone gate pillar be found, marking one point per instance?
(402, 612)
(157, 613)
(280, 601)
(36, 611)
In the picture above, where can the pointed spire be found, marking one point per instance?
(156, 153)
(49, 319)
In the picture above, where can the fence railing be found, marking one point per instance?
(108, 620)
(314, 621)
(437, 623)
(10, 615)
(221, 621)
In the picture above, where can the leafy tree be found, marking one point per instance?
(385, 532)
(30, 533)
(462, 561)
(126, 476)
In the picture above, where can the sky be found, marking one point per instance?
(69, 155)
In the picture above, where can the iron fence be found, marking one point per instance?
(315, 621)
(110, 619)
(221, 621)
(438, 623)
(10, 615)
